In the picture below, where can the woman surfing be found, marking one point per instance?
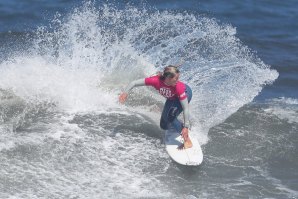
(178, 96)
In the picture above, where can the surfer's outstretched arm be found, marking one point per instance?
(135, 83)
(123, 96)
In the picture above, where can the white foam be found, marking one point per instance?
(279, 185)
(33, 79)
(284, 108)
(284, 100)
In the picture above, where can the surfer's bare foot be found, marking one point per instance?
(186, 145)
(187, 142)
(181, 147)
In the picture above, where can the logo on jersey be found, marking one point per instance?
(166, 92)
(182, 95)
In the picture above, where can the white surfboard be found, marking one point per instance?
(191, 156)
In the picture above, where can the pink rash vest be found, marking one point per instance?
(169, 92)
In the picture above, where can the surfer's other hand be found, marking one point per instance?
(123, 97)
(184, 133)
(187, 141)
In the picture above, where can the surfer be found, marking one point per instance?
(178, 97)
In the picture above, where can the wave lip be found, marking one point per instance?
(94, 48)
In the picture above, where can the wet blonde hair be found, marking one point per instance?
(169, 71)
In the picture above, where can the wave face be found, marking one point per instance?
(59, 99)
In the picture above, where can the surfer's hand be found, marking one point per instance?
(187, 142)
(123, 97)
(184, 133)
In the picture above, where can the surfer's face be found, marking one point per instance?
(171, 81)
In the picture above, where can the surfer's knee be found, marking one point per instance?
(173, 113)
(163, 124)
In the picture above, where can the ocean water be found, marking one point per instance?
(63, 133)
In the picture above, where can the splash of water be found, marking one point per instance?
(82, 61)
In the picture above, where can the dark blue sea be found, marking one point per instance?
(63, 64)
